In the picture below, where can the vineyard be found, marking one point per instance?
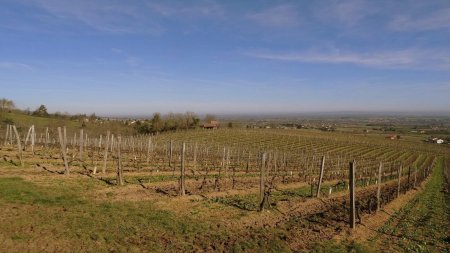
(221, 190)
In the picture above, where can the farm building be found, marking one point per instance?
(213, 124)
(392, 137)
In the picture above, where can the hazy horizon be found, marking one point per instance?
(224, 57)
(311, 114)
(283, 114)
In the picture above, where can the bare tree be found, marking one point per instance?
(6, 104)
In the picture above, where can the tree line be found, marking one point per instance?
(41, 111)
(157, 123)
(169, 122)
(7, 105)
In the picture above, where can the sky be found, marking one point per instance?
(137, 57)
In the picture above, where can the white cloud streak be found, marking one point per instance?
(433, 21)
(209, 9)
(104, 16)
(277, 17)
(402, 59)
(349, 12)
(15, 65)
(130, 60)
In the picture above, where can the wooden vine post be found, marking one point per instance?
(19, 145)
(415, 176)
(183, 171)
(195, 157)
(65, 137)
(120, 180)
(33, 139)
(105, 157)
(380, 171)
(322, 166)
(149, 148)
(47, 137)
(29, 137)
(398, 180)
(11, 135)
(409, 178)
(63, 151)
(81, 145)
(223, 159)
(351, 178)
(248, 163)
(170, 153)
(262, 181)
(227, 162)
(111, 144)
(7, 135)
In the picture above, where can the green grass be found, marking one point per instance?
(250, 202)
(422, 225)
(60, 210)
(61, 213)
(65, 209)
(16, 190)
(25, 121)
(175, 177)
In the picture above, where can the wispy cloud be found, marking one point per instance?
(130, 60)
(348, 12)
(409, 58)
(278, 17)
(201, 9)
(104, 16)
(15, 65)
(439, 19)
(133, 61)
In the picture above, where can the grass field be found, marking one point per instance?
(422, 225)
(45, 210)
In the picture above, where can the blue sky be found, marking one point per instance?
(139, 57)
